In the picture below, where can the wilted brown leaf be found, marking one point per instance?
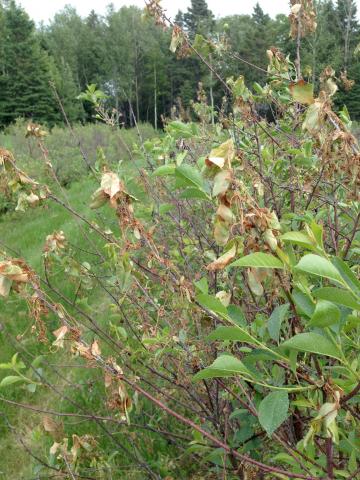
(5, 286)
(223, 261)
(55, 429)
(60, 336)
(95, 349)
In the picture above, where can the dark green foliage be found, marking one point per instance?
(25, 76)
(198, 18)
(128, 58)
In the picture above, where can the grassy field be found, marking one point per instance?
(23, 235)
(26, 235)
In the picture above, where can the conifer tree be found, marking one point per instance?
(198, 18)
(67, 91)
(25, 75)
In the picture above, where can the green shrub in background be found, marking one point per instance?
(63, 145)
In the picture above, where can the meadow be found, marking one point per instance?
(24, 235)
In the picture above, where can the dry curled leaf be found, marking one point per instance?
(95, 349)
(35, 130)
(223, 261)
(302, 18)
(60, 336)
(55, 429)
(55, 243)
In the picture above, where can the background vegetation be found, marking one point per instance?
(129, 59)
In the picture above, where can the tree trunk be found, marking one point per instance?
(155, 97)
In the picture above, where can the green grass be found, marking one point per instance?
(26, 234)
(22, 235)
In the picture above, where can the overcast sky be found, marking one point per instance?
(45, 9)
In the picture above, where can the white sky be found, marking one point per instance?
(45, 9)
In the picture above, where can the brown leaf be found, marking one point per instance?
(225, 213)
(13, 272)
(177, 39)
(82, 350)
(5, 286)
(55, 429)
(224, 297)
(223, 261)
(314, 117)
(255, 282)
(110, 184)
(60, 336)
(55, 242)
(95, 349)
(108, 380)
(221, 232)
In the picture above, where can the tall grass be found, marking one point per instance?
(28, 232)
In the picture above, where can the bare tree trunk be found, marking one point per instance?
(137, 98)
(348, 7)
(212, 95)
(155, 97)
(298, 48)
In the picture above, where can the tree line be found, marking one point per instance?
(127, 56)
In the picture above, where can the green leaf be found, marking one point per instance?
(235, 334)
(10, 380)
(347, 274)
(298, 238)
(164, 170)
(326, 314)
(202, 285)
(302, 92)
(221, 182)
(304, 303)
(273, 411)
(196, 193)
(187, 175)
(276, 319)
(312, 121)
(318, 232)
(337, 295)
(165, 208)
(223, 366)
(237, 315)
(212, 303)
(258, 260)
(313, 343)
(31, 387)
(319, 266)
(202, 45)
(6, 366)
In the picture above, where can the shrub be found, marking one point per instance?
(217, 314)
